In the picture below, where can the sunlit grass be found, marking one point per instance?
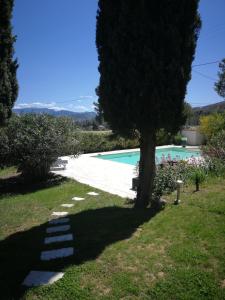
(121, 253)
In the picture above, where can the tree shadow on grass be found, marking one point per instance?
(93, 231)
(15, 185)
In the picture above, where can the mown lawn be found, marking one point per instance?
(121, 253)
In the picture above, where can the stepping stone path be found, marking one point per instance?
(77, 199)
(57, 228)
(59, 221)
(67, 205)
(59, 213)
(93, 194)
(36, 278)
(58, 253)
(59, 238)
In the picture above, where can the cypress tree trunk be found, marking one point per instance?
(146, 169)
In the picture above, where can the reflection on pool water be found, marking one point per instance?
(162, 154)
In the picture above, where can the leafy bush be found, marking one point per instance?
(214, 153)
(91, 142)
(177, 139)
(164, 181)
(34, 142)
(212, 124)
(4, 149)
(163, 138)
(167, 174)
(95, 141)
(197, 175)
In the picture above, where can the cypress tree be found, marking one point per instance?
(220, 84)
(145, 50)
(8, 65)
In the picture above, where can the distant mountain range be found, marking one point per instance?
(78, 116)
(90, 115)
(205, 110)
(216, 107)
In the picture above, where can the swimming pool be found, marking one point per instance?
(162, 154)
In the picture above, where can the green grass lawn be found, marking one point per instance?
(121, 253)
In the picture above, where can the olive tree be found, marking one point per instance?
(34, 142)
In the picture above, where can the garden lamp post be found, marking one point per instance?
(179, 184)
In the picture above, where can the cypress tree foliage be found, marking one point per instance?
(220, 84)
(145, 49)
(8, 66)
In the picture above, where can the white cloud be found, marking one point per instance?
(86, 97)
(53, 105)
(81, 108)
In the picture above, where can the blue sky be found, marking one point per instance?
(58, 59)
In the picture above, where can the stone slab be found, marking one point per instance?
(67, 205)
(59, 213)
(58, 228)
(77, 198)
(93, 194)
(57, 253)
(59, 221)
(37, 278)
(59, 238)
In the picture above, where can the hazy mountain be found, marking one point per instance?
(79, 116)
(205, 110)
(216, 107)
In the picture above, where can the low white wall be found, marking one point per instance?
(194, 137)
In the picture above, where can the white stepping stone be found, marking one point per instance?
(59, 213)
(77, 199)
(59, 221)
(60, 238)
(93, 194)
(36, 278)
(67, 205)
(58, 228)
(58, 253)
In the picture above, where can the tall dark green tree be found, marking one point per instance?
(220, 84)
(145, 49)
(8, 65)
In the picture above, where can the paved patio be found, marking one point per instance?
(106, 175)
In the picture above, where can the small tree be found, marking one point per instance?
(210, 125)
(145, 51)
(220, 84)
(8, 66)
(36, 141)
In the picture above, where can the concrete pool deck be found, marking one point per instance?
(109, 176)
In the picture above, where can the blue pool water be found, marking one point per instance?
(172, 153)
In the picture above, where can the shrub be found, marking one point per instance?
(95, 141)
(210, 125)
(163, 138)
(167, 175)
(4, 149)
(214, 153)
(177, 139)
(91, 142)
(164, 181)
(36, 141)
(197, 175)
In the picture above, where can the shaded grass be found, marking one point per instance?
(121, 253)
